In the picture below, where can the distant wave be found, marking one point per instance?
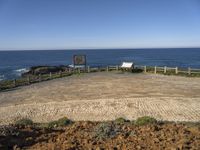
(18, 72)
(1, 77)
(22, 70)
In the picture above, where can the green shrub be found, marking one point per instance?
(145, 120)
(137, 70)
(41, 125)
(105, 130)
(60, 122)
(24, 121)
(120, 120)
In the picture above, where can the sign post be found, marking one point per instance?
(79, 60)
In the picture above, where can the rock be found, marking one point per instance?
(133, 133)
(94, 143)
(99, 148)
(36, 70)
(115, 148)
(187, 147)
(15, 147)
(187, 142)
(29, 139)
(155, 128)
(156, 140)
(186, 132)
(138, 147)
(180, 146)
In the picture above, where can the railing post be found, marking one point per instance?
(88, 69)
(189, 71)
(69, 70)
(50, 75)
(145, 69)
(107, 68)
(40, 79)
(14, 82)
(176, 70)
(28, 79)
(60, 73)
(99, 69)
(79, 70)
(117, 67)
(155, 70)
(165, 69)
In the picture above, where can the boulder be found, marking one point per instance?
(36, 70)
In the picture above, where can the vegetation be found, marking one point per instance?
(8, 84)
(137, 70)
(59, 123)
(145, 121)
(105, 130)
(24, 121)
(120, 120)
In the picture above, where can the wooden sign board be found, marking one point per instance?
(79, 60)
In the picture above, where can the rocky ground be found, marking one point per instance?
(102, 135)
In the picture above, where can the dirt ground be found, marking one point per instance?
(101, 136)
(104, 96)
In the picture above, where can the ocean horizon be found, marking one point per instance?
(14, 63)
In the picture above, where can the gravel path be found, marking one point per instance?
(165, 108)
(105, 96)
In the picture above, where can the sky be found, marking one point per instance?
(76, 24)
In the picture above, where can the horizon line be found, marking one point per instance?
(97, 48)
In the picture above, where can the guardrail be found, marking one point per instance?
(165, 70)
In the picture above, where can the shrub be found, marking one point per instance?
(105, 130)
(137, 70)
(145, 120)
(60, 122)
(8, 131)
(24, 121)
(120, 120)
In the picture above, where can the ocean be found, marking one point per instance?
(14, 63)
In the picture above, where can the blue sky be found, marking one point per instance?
(71, 24)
